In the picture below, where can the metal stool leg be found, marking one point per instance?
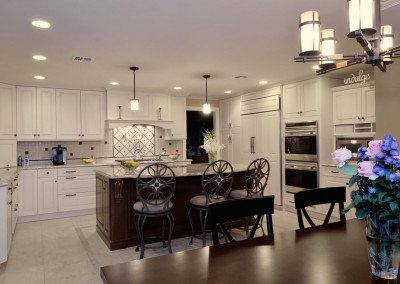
(171, 228)
(137, 222)
(142, 238)
(191, 225)
(163, 232)
(203, 226)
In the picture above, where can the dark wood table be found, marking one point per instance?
(336, 253)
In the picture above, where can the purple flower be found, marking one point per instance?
(380, 171)
(398, 163)
(394, 153)
(393, 177)
(380, 155)
(371, 190)
(390, 160)
(362, 149)
(389, 143)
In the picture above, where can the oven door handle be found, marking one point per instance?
(302, 168)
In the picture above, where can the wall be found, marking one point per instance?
(387, 90)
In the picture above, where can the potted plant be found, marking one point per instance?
(211, 145)
(376, 199)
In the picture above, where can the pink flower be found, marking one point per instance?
(374, 147)
(341, 156)
(365, 169)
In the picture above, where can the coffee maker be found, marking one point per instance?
(59, 155)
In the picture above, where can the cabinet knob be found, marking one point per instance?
(359, 118)
(363, 118)
(38, 135)
(15, 134)
(34, 135)
(83, 135)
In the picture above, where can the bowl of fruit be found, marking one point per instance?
(173, 156)
(131, 164)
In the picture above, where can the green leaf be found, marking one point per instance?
(347, 208)
(357, 199)
(361, 213)
(353, 180)
(394, 206)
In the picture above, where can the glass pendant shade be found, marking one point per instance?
(362, 16)
(206, 108)
(134, 104)
(310, 27)
(386, 37)
(327, 44)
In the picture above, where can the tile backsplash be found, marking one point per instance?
(119, 142)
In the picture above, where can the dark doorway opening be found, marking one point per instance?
(197, 124)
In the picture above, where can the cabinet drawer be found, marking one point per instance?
(47, 173)
(76, 201)
(75, 184)
(81, 171)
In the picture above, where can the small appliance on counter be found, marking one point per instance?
(59, 155)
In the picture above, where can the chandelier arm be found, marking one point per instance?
(340, 65)
(321, 57)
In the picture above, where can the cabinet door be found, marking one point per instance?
(92, 115)
(291, 101)
(47, 195)
(225, 140)
(28, 193)
(8, 153)
(224, 114)
(234, 112)
(46, 114)
(26, 113)
(160, 107)
(68, 114)
(235, 146)
(347, 106)
(178, 117)
(310, 98)
(8, 112)
(368, 104)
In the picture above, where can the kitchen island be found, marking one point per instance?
(116, 194)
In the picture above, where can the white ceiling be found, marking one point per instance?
(173, 42)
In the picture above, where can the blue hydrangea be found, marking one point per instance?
(398, 163)
(380, 155)
(389, 143)
(394, 153)
(393, 177)
(371, 190)
(362, 149)
(380, 171)
(390, 160)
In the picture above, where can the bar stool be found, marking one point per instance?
(155, 186)
(255, 181)
(217, 182)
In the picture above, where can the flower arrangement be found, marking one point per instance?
(211, 145)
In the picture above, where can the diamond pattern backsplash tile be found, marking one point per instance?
(127, 139)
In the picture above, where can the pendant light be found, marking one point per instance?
(310, 27)
(386, 37)
(327, 45)
(362, 16)
(206, 105)
(134, 101)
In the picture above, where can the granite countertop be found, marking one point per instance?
(116, 172)
(6, 175)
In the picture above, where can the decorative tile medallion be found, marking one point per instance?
(127, 139)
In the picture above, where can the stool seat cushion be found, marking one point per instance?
(151, 208)
(201, 200)
(240, 193)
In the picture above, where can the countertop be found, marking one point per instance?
(6, 175)
(116, 172)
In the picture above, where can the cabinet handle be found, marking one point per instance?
(335, 172)
(70, 195)
(10, 188)
(70, 178)
(38, 135)
(68, 172)
(34, 135)
(55, 181)
(291, 202)
(15, 134)
(79, 135)
(83, 135)
(359, 118)
(363, 118)
(9, 203)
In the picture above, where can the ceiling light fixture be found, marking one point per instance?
(364, 26)
(134, 101)
(177, 88)
(39, 57)
(114, 83)
(39, 77)
(206, 105)
(263, 82)
(41, 24)
(228, 92)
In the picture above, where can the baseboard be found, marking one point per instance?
(58, 215)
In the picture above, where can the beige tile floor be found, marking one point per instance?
(70, 251)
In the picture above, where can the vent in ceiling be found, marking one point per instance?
(241, 77)
(82, 59)
(386, 4)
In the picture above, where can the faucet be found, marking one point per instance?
(138, 155)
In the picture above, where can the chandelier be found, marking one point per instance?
(364, 26)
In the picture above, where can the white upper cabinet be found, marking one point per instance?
(122, 99)
(178, 117)
(160, 107)
(8, 153)
(356, 105)
(224, 113)
(229, 111)
(92, 115)
(8, 112)
(46, 118)
(26, 113)
(68, 114)
(230, 122)
(302, 99)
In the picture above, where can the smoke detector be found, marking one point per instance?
(82, 59)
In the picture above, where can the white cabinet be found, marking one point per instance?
(36, 113)
(355, 105)
(92, 115)
(68, 114)
(28, 193)
(178, 117)
(160, 107)
(301, 99)
(229, 112)
(230, 124)
(8, 112)
(8, 153)
(80, 115)
(47, 195)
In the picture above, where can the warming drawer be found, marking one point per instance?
(76, 201)
(76, 184)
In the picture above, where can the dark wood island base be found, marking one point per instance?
(116, 194)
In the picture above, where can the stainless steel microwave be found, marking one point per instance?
(352, 143)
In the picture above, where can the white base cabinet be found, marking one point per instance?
(28, 193)
(47, 195)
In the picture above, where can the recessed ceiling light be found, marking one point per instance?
(263, 82)
(228, 92)
(39, 77)
(114, 83)
(41, 24)
(316, 67)
(177, 88)
(39, 57)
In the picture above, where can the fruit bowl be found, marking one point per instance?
(129, 164)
